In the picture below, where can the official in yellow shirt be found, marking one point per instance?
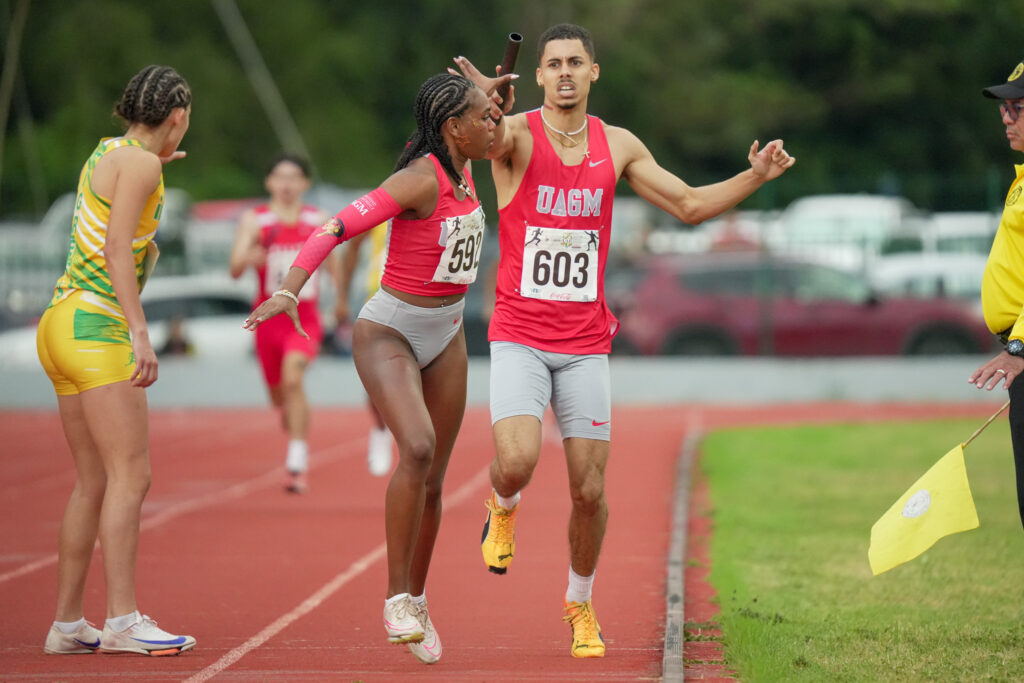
(1002, 286)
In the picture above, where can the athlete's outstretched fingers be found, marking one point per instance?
(293, 313)
(267, 310)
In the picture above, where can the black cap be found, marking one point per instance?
(1013, 89)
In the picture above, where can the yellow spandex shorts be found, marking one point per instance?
(83, 343)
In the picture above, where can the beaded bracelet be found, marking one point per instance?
(285, 292)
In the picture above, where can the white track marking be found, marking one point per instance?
(236, 491)
(326, 591)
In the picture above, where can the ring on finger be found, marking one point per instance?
(1000, 370)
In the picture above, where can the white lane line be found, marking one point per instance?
(326, 591)
(283, 622)
(265, 480)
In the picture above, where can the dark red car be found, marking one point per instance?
(753, 304)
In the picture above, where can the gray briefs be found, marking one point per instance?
(524, 380)
(428, 330)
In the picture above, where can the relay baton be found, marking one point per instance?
(509, 61)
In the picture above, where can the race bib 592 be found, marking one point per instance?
(462, 238)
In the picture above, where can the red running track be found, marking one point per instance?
(282, 587)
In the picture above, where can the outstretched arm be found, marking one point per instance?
(695, 204)
(412, 190)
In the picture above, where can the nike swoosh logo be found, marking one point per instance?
(504, 557)
(85, 644)
(179, 640)
(597, 163)
(455, 322)
(599, 424)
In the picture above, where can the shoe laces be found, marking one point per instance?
(405, 608)
(419, 610)
(580, 615)
(145, 621)
(502, 520)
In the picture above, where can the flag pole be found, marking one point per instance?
(987, 423)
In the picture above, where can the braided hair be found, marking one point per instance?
(440, 97)
(151, 95)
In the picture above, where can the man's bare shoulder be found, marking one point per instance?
(623, 143)
(618, 134)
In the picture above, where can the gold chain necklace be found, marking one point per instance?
(565, 134)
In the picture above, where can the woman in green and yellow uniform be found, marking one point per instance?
(94, 345)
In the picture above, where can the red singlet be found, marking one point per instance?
(283, 241)
(277, 337)
(554, 238)
(438, 255)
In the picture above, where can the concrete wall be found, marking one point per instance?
(734, 381)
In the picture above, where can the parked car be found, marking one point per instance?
(961, 232)
(927, 275)
(750, 303)
(209, 308)
(33, 255)
(847, 230)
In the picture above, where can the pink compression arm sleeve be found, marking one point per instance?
(367, 212)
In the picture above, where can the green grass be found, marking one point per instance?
(793, 509)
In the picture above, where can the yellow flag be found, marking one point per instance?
(937, 505)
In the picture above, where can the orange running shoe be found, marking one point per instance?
(587, 640)
(498, 542)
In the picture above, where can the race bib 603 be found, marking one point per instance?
(560, 264)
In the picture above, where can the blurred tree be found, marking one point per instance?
(870, 96)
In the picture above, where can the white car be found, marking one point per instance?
(847, 231)
(211, 309)
(928, 275)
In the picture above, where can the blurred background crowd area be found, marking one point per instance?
(873, 244)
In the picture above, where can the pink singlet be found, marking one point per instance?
(437, 255)
(277, 336)
(554, 237)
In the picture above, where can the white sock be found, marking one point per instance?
(125, 622)
(395, 598)
(419, 599)
(507, 503)
(69, 627)
(580, 587)
(297, 460)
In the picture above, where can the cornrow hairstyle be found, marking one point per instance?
(287, 157)
(440, 97)
(566, 32)
(151, 95)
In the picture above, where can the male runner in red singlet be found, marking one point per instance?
(269, 237)
(555, 171)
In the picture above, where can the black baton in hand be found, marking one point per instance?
(508, 64)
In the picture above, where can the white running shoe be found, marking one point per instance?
(296, 482)
(401, 623)
(427, 650)
(83, 641)
(144, 638)
(380, 452)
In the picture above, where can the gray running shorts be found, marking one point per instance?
(428, 330)
(524, 380)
